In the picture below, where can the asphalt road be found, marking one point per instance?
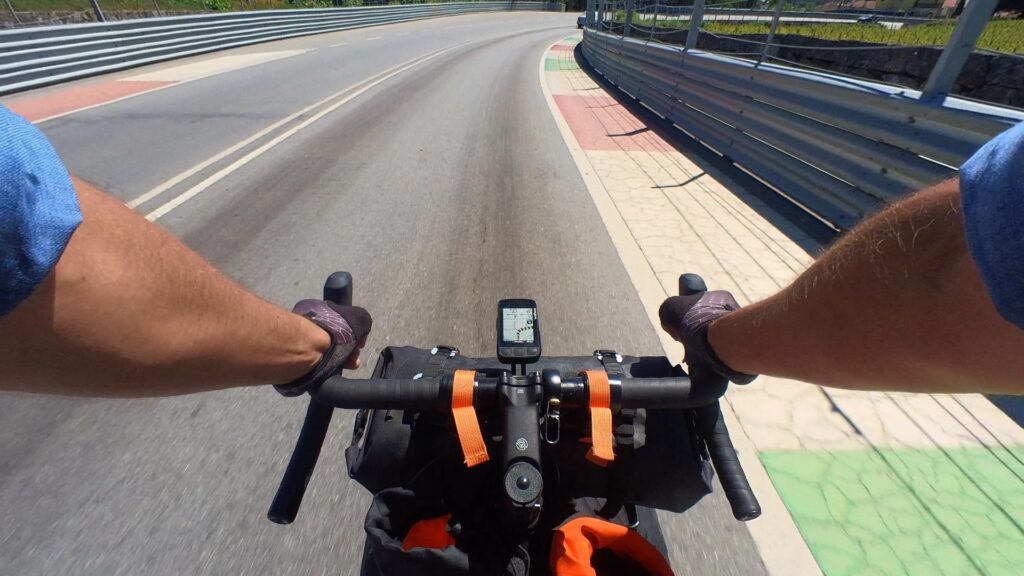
(442, 189)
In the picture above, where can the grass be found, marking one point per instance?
(999, 35)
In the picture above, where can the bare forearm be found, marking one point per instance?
(131, 311)
(896, 305)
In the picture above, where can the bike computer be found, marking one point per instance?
(518, 331)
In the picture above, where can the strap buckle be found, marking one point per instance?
(553, 420)
(607, 355)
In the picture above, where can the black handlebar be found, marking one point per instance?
(427, 394)
(433, 395)
(716, 436)
(285, 507)
(730, 473)
(383, 394)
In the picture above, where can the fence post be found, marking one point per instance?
(591, 6)
(696, 18)
(968, 28)
(654, 21)
(99, 11)
(601, 7)
(629, 19)
(779, 4)
(17, 21)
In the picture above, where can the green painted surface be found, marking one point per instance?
(555, 64)
(900, 511)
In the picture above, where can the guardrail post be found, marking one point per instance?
(696, 19)
(591, 6)
(968, 28)
(654, 22)
(99, 11)
(629, 19)
(602, 5)
(17, 21)
(779, 5)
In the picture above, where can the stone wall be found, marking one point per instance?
(989, 77)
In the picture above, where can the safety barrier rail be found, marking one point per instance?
(753, 14)
(841, 147)
(34, 57)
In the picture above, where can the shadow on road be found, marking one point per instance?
(804, 229)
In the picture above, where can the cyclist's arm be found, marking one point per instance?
(131, 311)
(897, 304)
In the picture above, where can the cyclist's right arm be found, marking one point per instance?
(927, 296)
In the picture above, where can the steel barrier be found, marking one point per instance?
(34, 57)
(841, 147)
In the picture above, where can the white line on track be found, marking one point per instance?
(374, 38)
(122, 78)
(338, 44)
(778, 541)
(347, 95)
(402, 34)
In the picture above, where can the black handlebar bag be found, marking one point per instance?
(412, 463)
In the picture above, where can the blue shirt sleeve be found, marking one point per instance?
(38, 209)
(992, 190)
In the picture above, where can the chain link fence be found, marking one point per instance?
(903, 45)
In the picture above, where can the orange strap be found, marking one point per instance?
(600, 452)
(468, 427)
(430, 533)
(574, 544)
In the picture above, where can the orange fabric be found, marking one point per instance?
(466, 424)
(600, 452)
(430, 533)
(574, 544)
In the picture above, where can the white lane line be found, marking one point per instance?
(133, 95)
(350, 94)
(778, 541)
(338, 44)
(167, 185)
(402, 34)
(374, 38)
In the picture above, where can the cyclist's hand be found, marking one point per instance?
(687, 318)
(347, 326)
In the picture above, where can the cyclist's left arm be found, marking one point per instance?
(95, 300)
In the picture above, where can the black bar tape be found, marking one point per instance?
(667, 393)
(383, 394)
(727, 463)
(289, 495)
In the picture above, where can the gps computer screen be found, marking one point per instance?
(517, 325)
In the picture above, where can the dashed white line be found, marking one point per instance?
(338, 44)
(374, 38)
(351, 92)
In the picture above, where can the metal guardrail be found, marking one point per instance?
(739, 14)
(35, 57)
(841, 147)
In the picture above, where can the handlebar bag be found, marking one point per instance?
(407, 534)
(669, 468)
